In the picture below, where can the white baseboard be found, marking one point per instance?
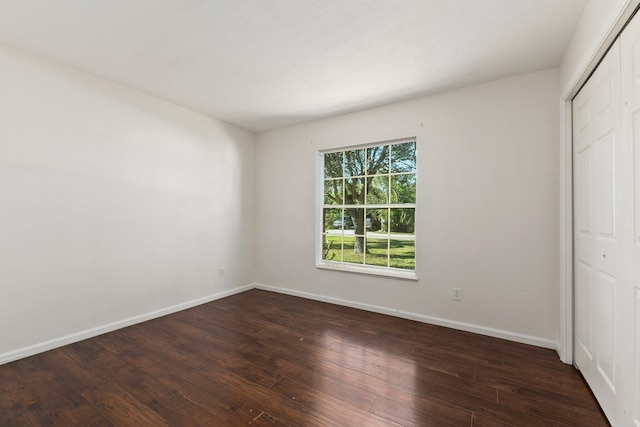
(482, 330)
(93, 332)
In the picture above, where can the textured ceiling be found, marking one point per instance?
(263, 64)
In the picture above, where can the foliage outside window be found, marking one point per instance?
(369, 207)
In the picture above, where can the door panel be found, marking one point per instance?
(605, 183)
(584, 316)
(597, 123)
(605, 325)
(583, 195)
(606, 159)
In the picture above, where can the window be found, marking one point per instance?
(368, 209)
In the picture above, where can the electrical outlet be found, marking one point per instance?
(457, 294)
(221, 272)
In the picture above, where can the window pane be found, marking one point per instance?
(379, 219)
(402, 254)
(377, 252)
(403, 157)
(333, 165)
(354, 191)
(378, 190)
(402, 220)
(354, 162)
(378, 160)
(332, 219)
(403, 188)
(332, 248)
(349, 254)
(333, 191)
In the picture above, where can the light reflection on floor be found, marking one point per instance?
(376, 374)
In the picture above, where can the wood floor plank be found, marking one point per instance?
(344, 387)
(308, 395)
(122, 409)
(248, 415)
(161, 397)
(279, 407)
(18, 404)
(266, 359)
(420, 412)
(507, 377)
(48, 387)
(482, 421)
(535, 402)
(424, 379)
(204, 385)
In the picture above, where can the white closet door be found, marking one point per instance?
(596, 136)
(630, 52)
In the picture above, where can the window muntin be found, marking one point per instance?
(368, 207)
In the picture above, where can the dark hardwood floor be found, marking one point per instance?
(265, 359)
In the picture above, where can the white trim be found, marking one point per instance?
(468, 327)
(367, 269)
(319, 203)
(565, 344)
(93, 332)
(368, 145)
(606, 39)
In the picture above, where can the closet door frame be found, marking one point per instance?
(609, 36)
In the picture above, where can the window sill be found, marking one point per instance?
(354, 268)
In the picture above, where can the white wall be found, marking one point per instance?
(487, 200)
(113, 204)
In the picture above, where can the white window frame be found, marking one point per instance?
(352, 267)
